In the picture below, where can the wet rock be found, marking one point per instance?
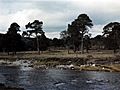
(13, 88)
(25, 62)
(4, 87)
(30, 65)
(59, 83)
(40, 67)
(89, 82)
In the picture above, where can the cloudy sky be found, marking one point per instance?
(57, 14)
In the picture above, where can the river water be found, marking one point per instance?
(57, 79)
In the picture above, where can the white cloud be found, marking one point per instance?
(58, 14)
(52, 35)
(50, 20)
(97, 30)
(25, 16)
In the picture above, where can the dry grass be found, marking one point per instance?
(59, 54)
(108, 68)
(49, 58)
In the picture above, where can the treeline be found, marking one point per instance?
(33, 39)
(76, 37)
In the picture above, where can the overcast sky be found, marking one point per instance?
(57, 14)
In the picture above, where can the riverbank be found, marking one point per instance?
(94, 61)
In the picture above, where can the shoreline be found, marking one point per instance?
(108, 64)
(92, 61)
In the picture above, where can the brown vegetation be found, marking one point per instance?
(104, 61)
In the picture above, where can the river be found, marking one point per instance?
(57, 79)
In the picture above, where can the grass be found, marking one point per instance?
(61, 57)
(58, 53)
(108, 68)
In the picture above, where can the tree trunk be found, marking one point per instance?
(115, 42)
(38, 49)
(74, 49)
(87, 49)
(68, 49)
(82, 50)
(8, 52)
(114, 51)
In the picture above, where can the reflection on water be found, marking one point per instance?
(56, 79)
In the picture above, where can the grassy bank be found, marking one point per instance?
(92, 61)
(107, 68)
